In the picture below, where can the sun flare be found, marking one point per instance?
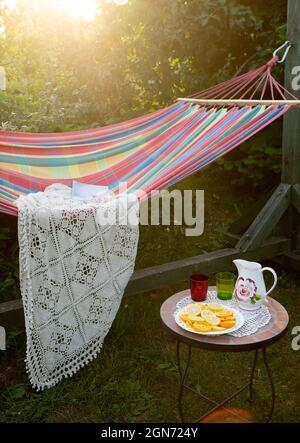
(78, 9)
(81, 9)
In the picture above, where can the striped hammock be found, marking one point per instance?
(149, 152)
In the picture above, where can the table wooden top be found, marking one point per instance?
(265, 336)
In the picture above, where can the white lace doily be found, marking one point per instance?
(254, 320)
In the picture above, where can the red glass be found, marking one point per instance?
(199, 287)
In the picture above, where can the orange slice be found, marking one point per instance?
(218, 328)
(189, 323)
(227, 324)
(215, 307)
(210, 317)
(202, 328)
(206, 313)
(193, 309)
(224, 313)
(200, 323)
(194, 318)
(213, 321)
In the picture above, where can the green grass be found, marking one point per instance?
(134, 379)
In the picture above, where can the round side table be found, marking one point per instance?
(259, 341)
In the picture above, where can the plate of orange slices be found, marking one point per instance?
(209, 318)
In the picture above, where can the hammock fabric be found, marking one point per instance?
(149, 152)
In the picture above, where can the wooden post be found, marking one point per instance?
(279, 204)
(291, 126)
(267, 219)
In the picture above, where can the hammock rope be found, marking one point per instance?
(150, 152)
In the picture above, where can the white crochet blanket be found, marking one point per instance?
(73, 272)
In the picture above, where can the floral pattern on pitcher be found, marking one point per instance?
(250, 289)
(246, 291)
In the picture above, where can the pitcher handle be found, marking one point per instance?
(275, 279)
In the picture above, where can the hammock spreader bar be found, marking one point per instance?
(241, 102)
(150, 152)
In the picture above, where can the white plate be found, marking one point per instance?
(238, 315)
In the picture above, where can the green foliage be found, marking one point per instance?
(257, 163)
(131, 59)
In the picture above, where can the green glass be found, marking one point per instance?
(225, 285)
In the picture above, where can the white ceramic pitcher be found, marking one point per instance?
(250, 289)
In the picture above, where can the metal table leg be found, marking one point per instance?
(271, 384)
(252, 375)
(183, 370)
(183, 374)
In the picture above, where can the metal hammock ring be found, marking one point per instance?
(286, 45)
